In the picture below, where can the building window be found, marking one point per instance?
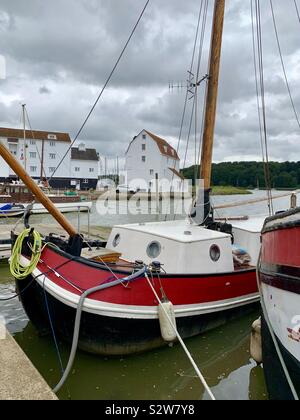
(33, 168)
(143, 158)
(143, 147)
(85, 181)
(91, 169)
(144, 136)
(13, 152)
(166, 149)
(51, 170)
(32, 155)
(151, 172)
(52, 156)
(32, 142)
(52, 137)
(52, 143)
(77, 169)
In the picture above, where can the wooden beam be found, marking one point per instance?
(38, 193)
(212, 93)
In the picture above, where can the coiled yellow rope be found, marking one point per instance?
(19, 271)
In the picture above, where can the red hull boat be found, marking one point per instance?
(279, 273)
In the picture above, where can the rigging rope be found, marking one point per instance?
(297, 10)
(197, 370)
(261, 100)
(283, 65)
(105, 85)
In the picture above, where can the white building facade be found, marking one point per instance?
(150, 160)
(40, 154)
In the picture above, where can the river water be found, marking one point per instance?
(164, 374)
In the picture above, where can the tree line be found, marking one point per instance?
(250, 174)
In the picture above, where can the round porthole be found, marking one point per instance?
(116, 240)
(215, 253)
(153, 249)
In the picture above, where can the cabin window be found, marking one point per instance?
(143, 147)
(77, 169)
(215, 253)
(143, 158)
(32, 155)
(116, 240)
(32, 142)
(52, 156)
(33, 168)
(166, 149)
(91, 169)
(51, 170)
(52, 143)
(153, 249)
(85, 181)
(151, 171)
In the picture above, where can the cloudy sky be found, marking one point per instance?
(58, 55)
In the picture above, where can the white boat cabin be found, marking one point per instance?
(185, 248)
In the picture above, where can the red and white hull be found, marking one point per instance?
(124, 319)
(280, 283)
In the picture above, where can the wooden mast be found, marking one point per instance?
(42, 198)
(212, 93)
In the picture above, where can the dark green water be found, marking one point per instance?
(165, 374)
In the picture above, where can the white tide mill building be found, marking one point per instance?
(149, 157)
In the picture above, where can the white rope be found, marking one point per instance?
(199, 374)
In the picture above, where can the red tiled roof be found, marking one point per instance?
(33, 135)
(164, 147)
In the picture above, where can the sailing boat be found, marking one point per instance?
(198, 268)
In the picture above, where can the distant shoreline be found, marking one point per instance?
(228, 190)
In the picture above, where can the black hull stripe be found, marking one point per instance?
(285, 270)
(277, 276)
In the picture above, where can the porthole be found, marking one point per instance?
(215, 253)
(116, 240)
(153, 249)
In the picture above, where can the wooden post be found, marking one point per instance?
(39, 194)
(212, 93)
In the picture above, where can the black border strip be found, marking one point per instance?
(282, 277)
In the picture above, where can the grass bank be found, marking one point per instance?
(227, 190)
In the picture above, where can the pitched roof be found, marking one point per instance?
(177, 173)
(87, 154)
(164, 146)
(33, 135)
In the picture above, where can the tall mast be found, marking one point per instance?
(24, 137)
(212, 94)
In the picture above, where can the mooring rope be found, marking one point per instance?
(187, 352)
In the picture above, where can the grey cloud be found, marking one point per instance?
(68, 48)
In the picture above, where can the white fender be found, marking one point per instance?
(167, 331)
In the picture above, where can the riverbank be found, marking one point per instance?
(229, 190)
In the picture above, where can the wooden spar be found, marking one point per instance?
(39, 194)
(212, 93)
